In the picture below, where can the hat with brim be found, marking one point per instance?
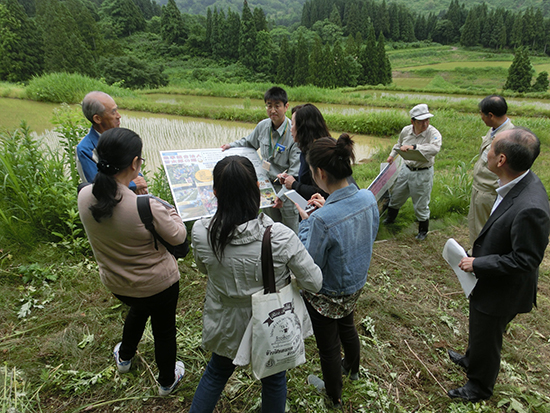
(420, 112)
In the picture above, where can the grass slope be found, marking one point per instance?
(411, 310)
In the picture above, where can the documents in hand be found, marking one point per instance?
(296, 198)
(412, 155)
(453, 253)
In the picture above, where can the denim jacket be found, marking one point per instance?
(339, 236)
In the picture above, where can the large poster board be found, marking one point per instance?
(190, 177)
(386, 178)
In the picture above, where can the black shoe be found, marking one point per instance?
(457, 359)
(421, 236)
(423, 227)
(391, 215)
(465, 394)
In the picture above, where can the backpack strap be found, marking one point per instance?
(144, 210)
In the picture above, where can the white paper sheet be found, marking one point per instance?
(453, 253)
(296, 198)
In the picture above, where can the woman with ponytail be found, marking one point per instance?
(227, 247)
(138, 274)
(339, 235)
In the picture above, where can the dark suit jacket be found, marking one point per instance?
(509, 250)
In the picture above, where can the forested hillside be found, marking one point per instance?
(337, 43)
(285, 12)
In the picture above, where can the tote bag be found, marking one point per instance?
(274, 339)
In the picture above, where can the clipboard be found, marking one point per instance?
(412, 155)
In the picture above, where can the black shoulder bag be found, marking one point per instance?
(144, 209)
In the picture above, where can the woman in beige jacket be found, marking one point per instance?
(138, 274)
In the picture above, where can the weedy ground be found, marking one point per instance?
(59, 325)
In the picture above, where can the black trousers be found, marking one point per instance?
(484, 348)
(161, 308)
(329, 333)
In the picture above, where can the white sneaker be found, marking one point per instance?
(179, 372)
(123, 365)
(316, 382)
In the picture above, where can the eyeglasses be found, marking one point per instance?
(276, 106)
(142, 160)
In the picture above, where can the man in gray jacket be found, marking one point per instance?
(415, 179)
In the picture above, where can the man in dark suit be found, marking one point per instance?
(506, 257)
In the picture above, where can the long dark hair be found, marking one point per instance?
(310, 126)
(116, 150)
(333, 156)
(236, 188)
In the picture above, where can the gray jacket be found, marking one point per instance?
(231, 282)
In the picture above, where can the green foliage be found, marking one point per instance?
(121, 17)
(247, 38)
(20, 43)
(172, 28)
(71, 126)
(34, 191)
(68, 88)
(160, 187)
(520, 72)
(65, 49)
(541, 84)
(132, 73)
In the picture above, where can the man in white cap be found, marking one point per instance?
(416, 178)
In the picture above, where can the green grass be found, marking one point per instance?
(60, 324)
(68, 88)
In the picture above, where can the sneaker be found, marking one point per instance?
(179, 372)
(316, 382)
(352, 376)
(123, 365)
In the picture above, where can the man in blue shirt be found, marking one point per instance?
(102, 111)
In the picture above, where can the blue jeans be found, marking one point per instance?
(215, 377)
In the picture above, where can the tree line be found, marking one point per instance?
(478, 26)
(79, 36)
(338, 43)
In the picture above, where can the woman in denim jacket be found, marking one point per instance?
(339, 235)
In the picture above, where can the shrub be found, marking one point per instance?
(68, 88)
(132, 72)
(35, 193)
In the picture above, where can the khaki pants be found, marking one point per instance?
(417, 185)
(480, 210)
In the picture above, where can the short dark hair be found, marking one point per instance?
(521, 147)
(333, 156)
(238, 195)
(276, 93)
(310, 126)
(494, 104)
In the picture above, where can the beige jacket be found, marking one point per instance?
(484, 179)
(125, 251)
(428, 143)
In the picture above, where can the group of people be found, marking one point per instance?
(328, 249)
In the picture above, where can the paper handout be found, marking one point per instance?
(453, 253)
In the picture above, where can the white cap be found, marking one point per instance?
(420, 112)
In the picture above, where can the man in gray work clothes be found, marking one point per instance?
(415, 179)
(278, 150)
